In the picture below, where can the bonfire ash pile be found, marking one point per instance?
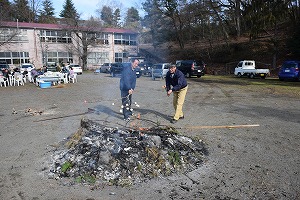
(124, 157)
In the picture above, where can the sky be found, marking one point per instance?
(88, 8)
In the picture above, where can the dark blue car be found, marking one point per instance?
(116, 69)
(290, 70)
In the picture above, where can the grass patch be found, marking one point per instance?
(268, 85)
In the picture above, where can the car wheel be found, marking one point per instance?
(198, 76)
(188, 75)
(251, 76)
(239, 74)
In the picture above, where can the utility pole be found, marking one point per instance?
(18, 33)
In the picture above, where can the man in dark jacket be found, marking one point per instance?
(127, 86)
(176, 84)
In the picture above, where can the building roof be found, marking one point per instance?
(27, 25)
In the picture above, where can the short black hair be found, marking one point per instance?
(134, 59)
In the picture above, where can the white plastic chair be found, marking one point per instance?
(64, 77)
(19, 79)
(5, 82)
(11, 79)
(73, 78)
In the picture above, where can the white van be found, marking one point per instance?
(76, 68)
(26, 67)
(160, 70)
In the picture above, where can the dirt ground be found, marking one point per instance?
(259, 162)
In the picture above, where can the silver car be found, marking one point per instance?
(105, 68)
(160, 70)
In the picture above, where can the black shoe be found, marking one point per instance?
(181, 117)
(173, 121)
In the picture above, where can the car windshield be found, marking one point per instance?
(198, 63)
(157, 66)
(3, 66)
(26, 66)
(289, 65)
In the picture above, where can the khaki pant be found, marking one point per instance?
(178, 100)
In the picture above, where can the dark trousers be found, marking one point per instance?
(126, 103)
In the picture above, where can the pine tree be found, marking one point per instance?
(6, 10)
(69, 11)
(107, 16)
(132, 19)
(47, 14)
(116, 18)
(22, 11)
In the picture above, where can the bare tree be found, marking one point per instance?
(88, 33)
(7, 34)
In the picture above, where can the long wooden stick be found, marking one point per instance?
(227, 126)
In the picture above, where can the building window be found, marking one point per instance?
(55, 36)
(13, 35)
(121, 57)
(59, 57)
(98, 57)
(125, 39)
(99, 38)
(15, 58)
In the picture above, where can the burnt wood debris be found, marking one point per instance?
(97, 154)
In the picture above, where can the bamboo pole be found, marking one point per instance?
(226, 126)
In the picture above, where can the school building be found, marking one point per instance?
(36, 43)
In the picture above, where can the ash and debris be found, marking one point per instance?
(96, 154)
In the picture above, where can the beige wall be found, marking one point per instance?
(34, 46)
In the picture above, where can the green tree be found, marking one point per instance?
(107, 16)
(69, 11)
(116, 18)
(132, 19)
(158, 26)
(22, 11)
(172, 9)
(5, 10)
(47, 13)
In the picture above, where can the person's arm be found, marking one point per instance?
(168, 84)
(168, 81)
(180, 82)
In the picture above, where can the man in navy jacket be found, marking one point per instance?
(176, 84)
(127, 86)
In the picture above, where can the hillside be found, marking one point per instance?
(221, 57)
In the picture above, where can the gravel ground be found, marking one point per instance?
(260, 162)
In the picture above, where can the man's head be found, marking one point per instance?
(172, 69)
(135, 63)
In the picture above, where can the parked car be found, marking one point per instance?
(159, 70)
(290, 70)
(51, 66)
(146, 68)
(105, 68)
(3, 66)
(76, 68)
(26, 67)
(191, 67)
(116, 69)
